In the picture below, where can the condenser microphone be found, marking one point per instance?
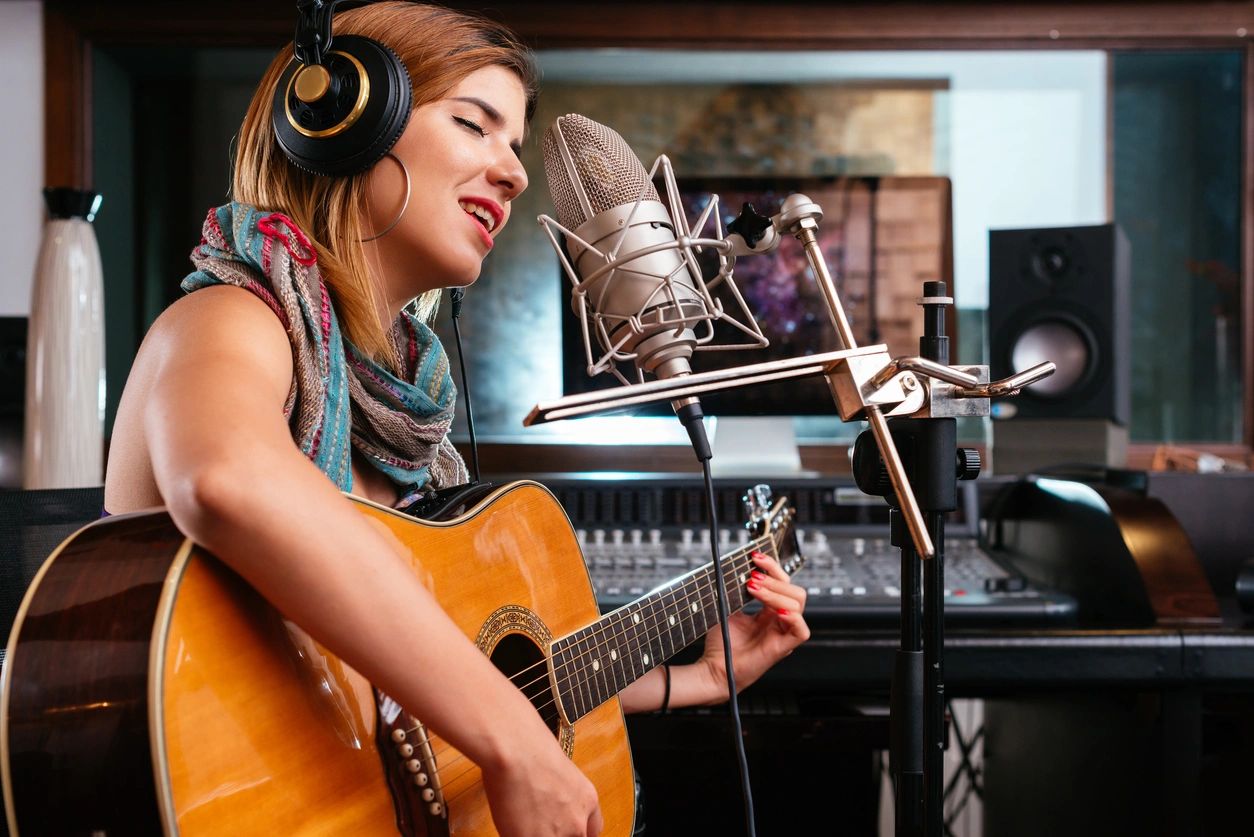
(648, 297)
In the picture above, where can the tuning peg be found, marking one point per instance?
(762, 495)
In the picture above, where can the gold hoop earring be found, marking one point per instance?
(404, 206)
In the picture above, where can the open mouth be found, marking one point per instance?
(480, 213)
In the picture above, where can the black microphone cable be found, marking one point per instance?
(691, 416)
(455, 296)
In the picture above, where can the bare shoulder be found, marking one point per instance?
(217, 328)
(220, 348)
(221, 322)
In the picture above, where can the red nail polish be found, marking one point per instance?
(782, 612)
(758, 574)
(753, 584)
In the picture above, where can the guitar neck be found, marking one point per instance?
(597, 662)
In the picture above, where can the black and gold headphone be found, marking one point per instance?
(338, 108)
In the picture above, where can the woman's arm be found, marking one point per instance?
(217, 368)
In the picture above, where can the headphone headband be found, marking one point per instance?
(313, 29)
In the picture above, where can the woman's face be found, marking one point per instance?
(462, 153)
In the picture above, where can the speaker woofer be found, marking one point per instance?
(1068, 344)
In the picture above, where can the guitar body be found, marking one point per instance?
(148, 689)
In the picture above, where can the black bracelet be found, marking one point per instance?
(666, 693)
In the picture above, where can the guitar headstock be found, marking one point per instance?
(774, 520)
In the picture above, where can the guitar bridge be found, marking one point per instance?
(412, 773)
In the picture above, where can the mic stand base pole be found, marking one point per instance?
(934, 678)
(928, 448)
(906, 731)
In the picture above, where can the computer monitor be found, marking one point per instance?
(882, 237)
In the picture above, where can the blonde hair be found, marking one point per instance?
(439, 47)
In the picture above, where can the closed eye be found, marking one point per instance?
(474, 126)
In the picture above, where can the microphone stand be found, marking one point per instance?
(934, 463)
(867, 384)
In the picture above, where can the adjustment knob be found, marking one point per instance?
(968, 463)
(870, 473)
(749, 225)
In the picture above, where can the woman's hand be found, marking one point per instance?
(760, 641)
(539, 791)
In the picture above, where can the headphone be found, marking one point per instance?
(338, 111)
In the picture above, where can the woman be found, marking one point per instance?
(229, 418)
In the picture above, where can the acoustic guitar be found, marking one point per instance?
(149, 690)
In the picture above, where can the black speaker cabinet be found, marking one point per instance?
(1062, 295)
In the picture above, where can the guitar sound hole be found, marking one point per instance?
(522, 661)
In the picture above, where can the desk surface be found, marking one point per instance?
(1009, 661)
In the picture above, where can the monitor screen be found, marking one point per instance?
(881, 239)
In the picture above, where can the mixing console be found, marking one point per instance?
(631, 542)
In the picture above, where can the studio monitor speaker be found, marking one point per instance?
(1062, 294)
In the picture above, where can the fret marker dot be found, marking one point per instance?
(694, 607)
(613, 655)
(744, 576)
(672, 620)
(596, 665)
(645, 658)
(635, 617)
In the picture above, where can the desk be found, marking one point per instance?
(1130, 732)
(986, 663)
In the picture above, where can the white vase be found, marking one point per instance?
(65, 375)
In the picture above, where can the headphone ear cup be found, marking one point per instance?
(356, 121)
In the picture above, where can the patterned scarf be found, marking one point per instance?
(399, 425)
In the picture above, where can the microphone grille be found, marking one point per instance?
(609, 173)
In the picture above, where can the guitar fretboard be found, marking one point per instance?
(595, 663)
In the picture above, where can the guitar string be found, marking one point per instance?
(763, 544)
(704, 573)
(650, 633)
(704, 594)
(738, 562)
(621, 622)
(701, 592)
(451, 781)
(551, 703)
